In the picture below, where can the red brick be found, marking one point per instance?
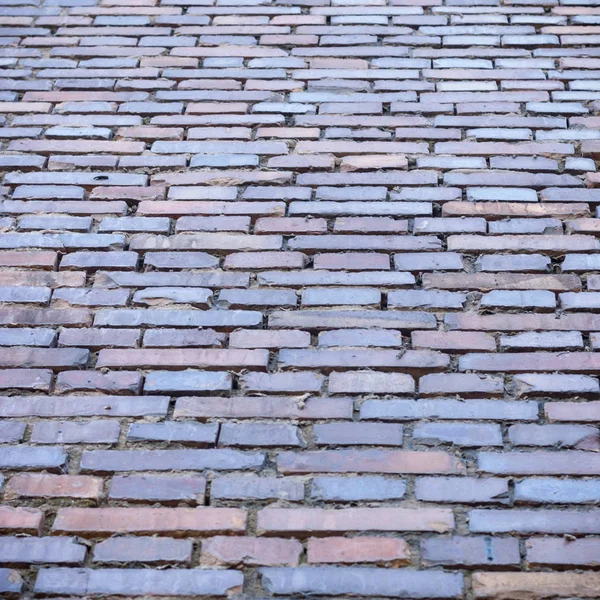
(181, 521)
(237, 551)
(33, 485)
(358, 550)
(368, 461)
(21, 520)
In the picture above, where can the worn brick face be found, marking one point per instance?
(300, 298)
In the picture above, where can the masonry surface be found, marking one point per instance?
(300, 298)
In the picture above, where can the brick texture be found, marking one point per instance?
(300, 298)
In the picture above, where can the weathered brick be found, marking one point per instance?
(167, 460)
(367, 487)
(258, 434)
(186, 433)
(258, 488)
(502, 586)
(461, 489)
(10, 581)
(371, 582)
(461, 384)
(186, 382)
(311, 520)
(459, 434)
(409, 410)
(155, 488)
(274, 407)
(548, 490)
(358, 550)
(33, 458)
(237, 551)
(30, 485)
(21, 520)
(34, 551)
(69, 432)
(559, 551)
(368, 461)
(143, 549)
(179, 358)
(476, 551)
(183, 521)
(192, 582)
(531, 521)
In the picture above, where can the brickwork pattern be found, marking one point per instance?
(300, 297)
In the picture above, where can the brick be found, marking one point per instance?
(579, 362)
(502, 586)
(184, 582)
(190, 433)
(256, 434)
(372, 582)
(536, 384)
(530, 521)
(154, 488)
(26, 379)
(282, 382)
(44, 406)
(33, 485)
(237, 551)
(453, 341)
(361, 338)
(12, 431)
(68, 432)
(476, 551)
(411, 360)
(186, 382)
(358, 550)
(557, 551)
(106, 521)
(550, 435)
(408, 410)
(552, 491)
(10, 581)
(32, 551)
(57, 358)
(572, 463)
(258, 488)
(311, 520)
(368, 461)
(143, 549)
(459, 434)
(461, 384)
(166, 460)
(461, 489)
(124, 382)
(351, 434)
(272, 407)
(177, 358)
(33, 458)
(367, 487)
(268, 339)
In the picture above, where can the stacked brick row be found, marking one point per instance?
(300, 298)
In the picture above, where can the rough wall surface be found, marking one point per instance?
(300, 298)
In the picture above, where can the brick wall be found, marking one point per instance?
(300, 297)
